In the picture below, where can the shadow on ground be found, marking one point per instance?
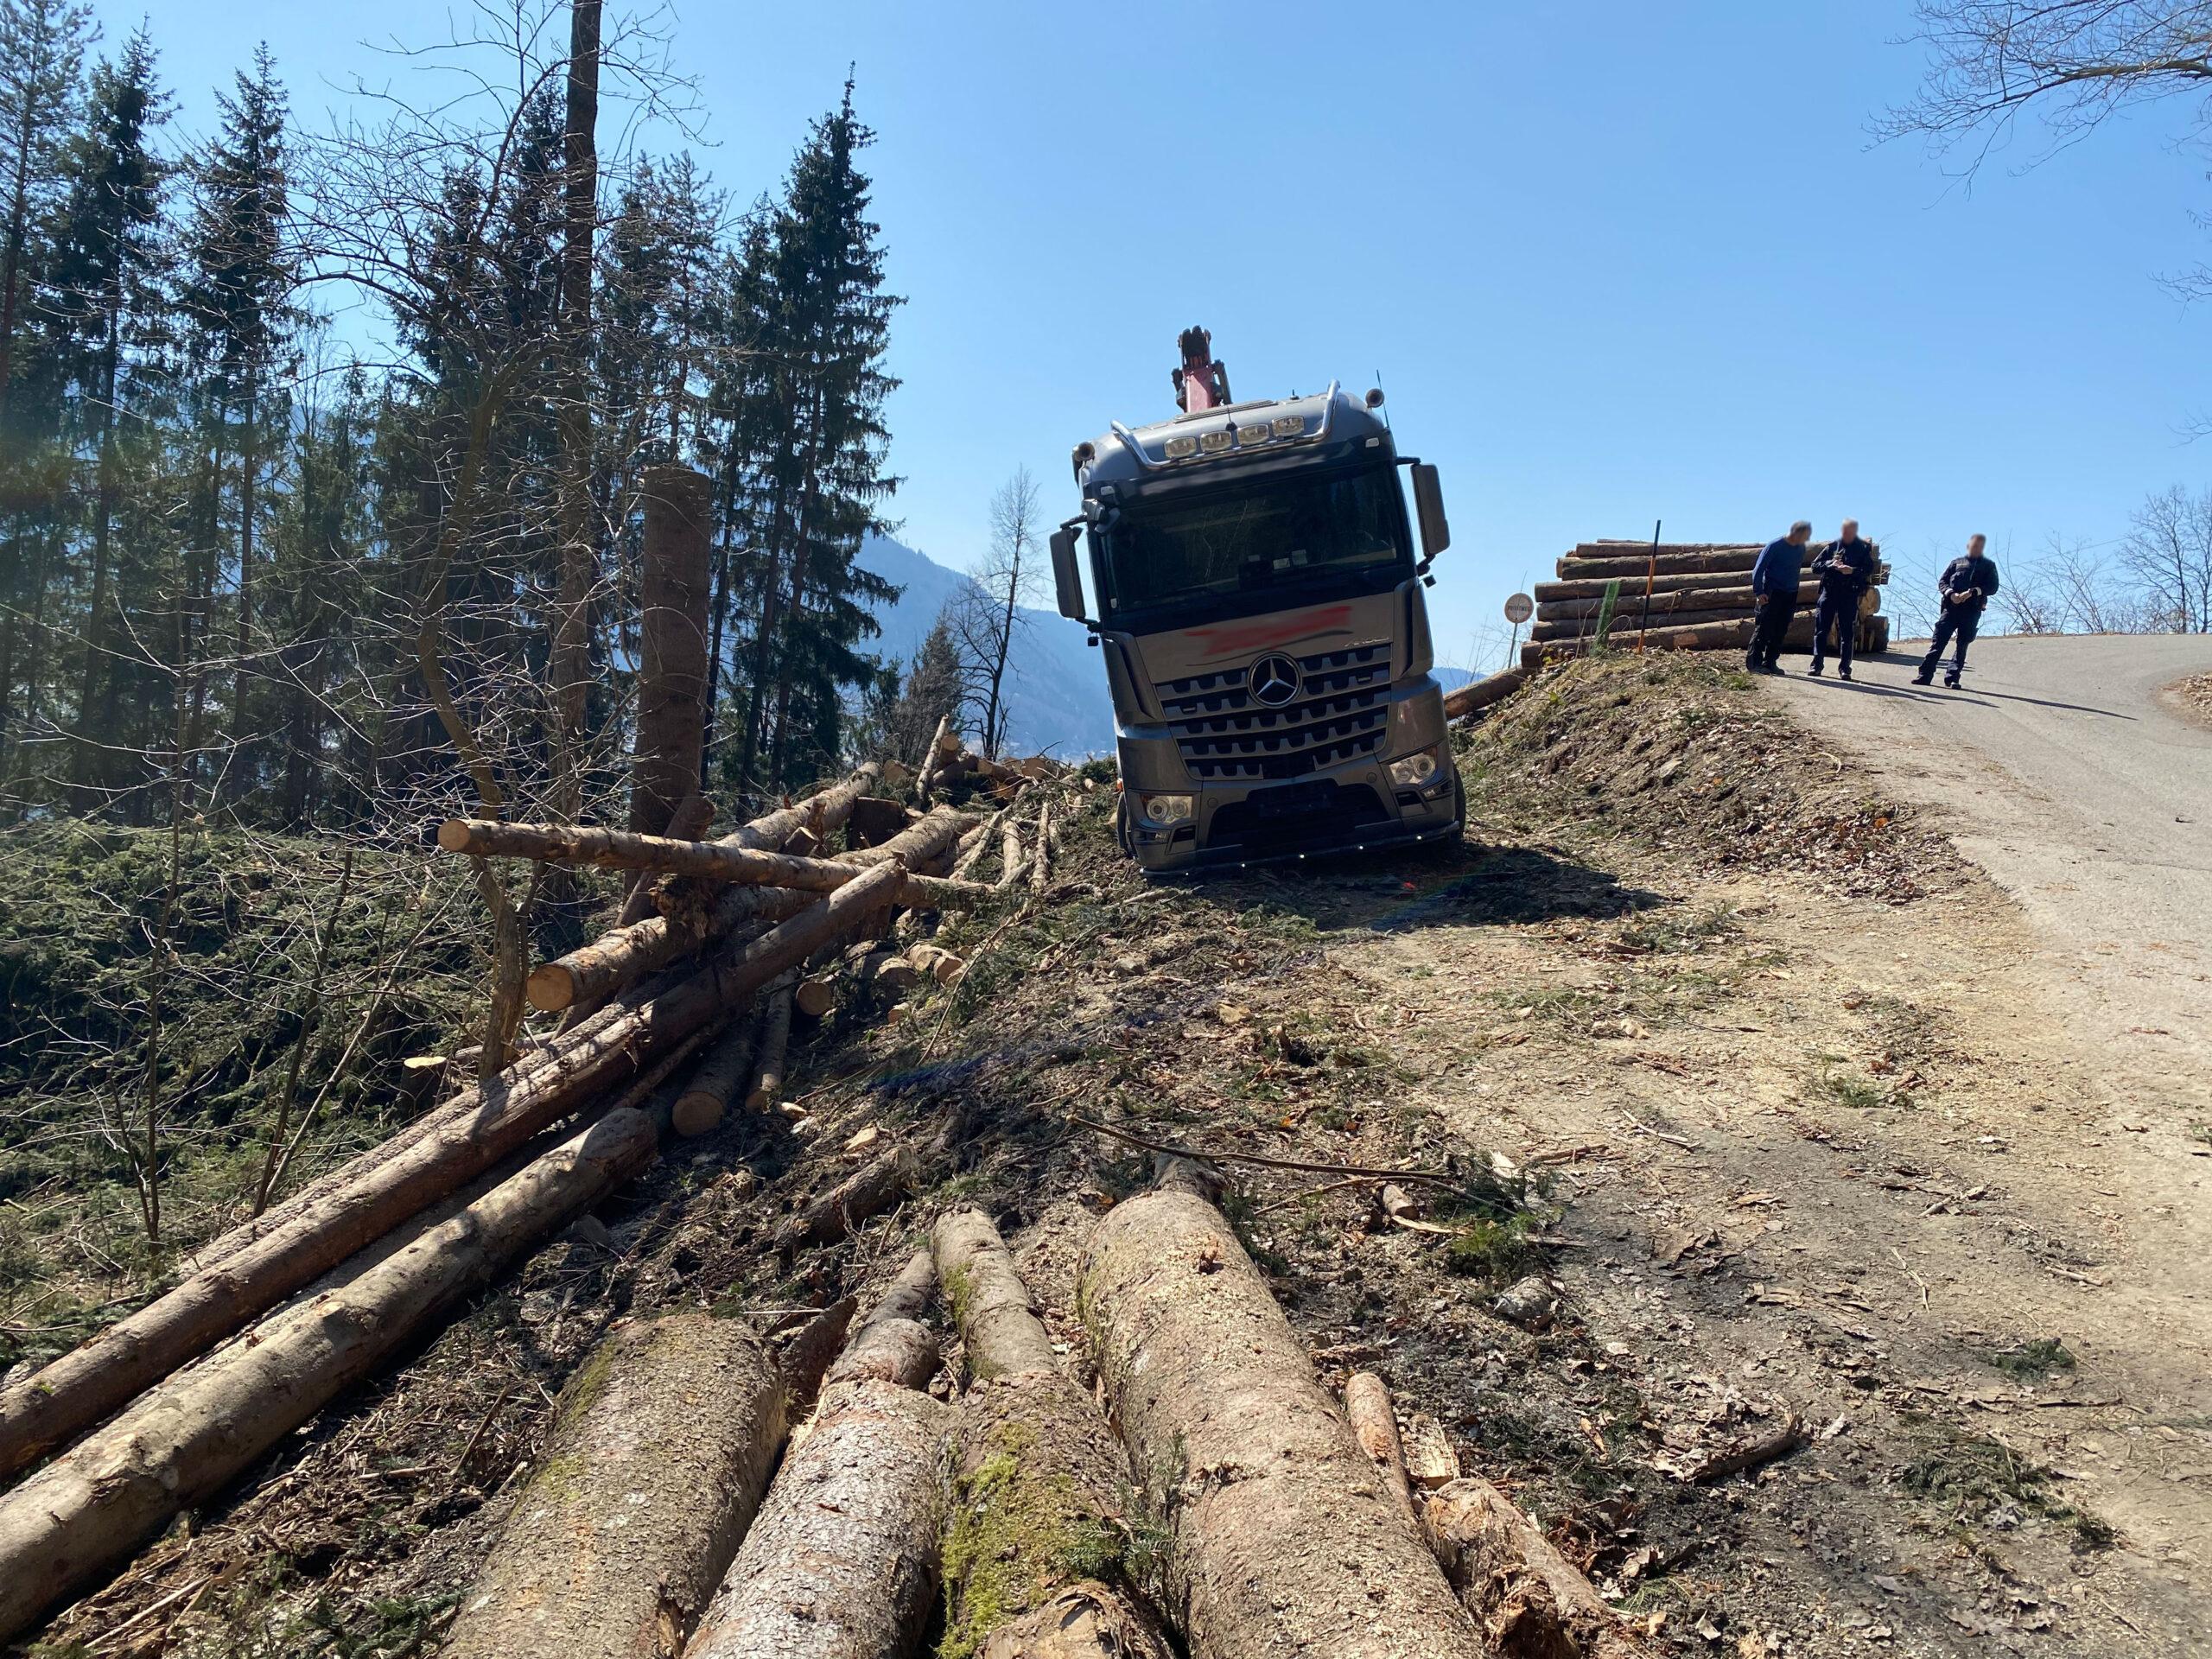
(1386, 893)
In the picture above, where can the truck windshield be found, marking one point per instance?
(1268, 536)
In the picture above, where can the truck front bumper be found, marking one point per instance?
(1315, 817)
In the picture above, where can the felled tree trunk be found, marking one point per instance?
(1603, 563)
(1530, 1599)
(1286, 1540)
(932, 759)
(775, 1046)
(663, 1447)
(719, 1082)
(843, 1561)
(86, 1384)
(69, 1525)
(869, 1191)
(1041, 863)
(1037, 1524)
(1480, 694)
(599, 970)
(691, 821)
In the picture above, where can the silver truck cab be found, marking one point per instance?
(1260, 613)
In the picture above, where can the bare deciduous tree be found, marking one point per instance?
(987, 617)
(2169, 552)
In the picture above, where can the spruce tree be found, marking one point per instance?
(107, 298)
(239, 298)
(42, 61)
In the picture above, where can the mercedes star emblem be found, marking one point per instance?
(1274, 680)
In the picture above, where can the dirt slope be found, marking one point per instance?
(1700, 1026)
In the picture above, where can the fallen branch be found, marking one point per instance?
(1530, 1600)
(1361, 1172)
(1753, 1453)
(869, 1191)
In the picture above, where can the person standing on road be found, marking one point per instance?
(1844, 570)
(1774, 579)
(1967, 585)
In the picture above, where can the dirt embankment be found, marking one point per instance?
(1736, 1115)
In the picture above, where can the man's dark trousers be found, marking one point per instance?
(1839, 610)
(1963, 621)
(1768, 631)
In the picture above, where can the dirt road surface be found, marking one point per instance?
(2081, 787)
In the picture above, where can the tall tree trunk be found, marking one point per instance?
(571, 661)
(249, 464)
(103, 525)
(810, 493)
(764, 641)
(19, 203)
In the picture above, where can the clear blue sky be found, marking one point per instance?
(1643, 266)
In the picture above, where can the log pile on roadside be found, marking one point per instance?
(1678, 596)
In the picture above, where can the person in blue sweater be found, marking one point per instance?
(1844, 570)
(1967, 585)
(1775, 580)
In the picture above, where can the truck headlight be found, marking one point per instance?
(1414, 770)
(1164, 810)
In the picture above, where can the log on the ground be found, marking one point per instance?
(1040, 862)
(85, 1385)
(866, 1193)
(1686, 601)
(674, 582)
(767, 1090)
(1010, 855)
(619, 849)
(875, 819)
(1037, 1509)
(719, 1082)
(691, 821)
(1589, 563)
(660, 1455)
(1375, 1424)
(816, 996)
(1304, 1549)
(976, 846)
(1531, 1600)
(71, 1524)
(841, 1562)
(1481, 694)
(933, 759)
(892, 1344)
(615, 961)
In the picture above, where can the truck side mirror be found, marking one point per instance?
(1428, 503)
(1067, 575)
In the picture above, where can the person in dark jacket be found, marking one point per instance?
(1967, 585)
(1844, 570)
(1774, 579)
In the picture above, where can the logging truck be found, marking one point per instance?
(1260, 609)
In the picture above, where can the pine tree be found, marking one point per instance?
(239, 297)
(936, 683)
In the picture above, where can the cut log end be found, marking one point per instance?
(551, 987)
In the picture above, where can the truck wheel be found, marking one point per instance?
(1122, 838)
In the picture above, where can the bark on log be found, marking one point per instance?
(69, 1525)
(892, 1344)
(1603, 564)
(1375, 1423)
(1010, 855)
(619, 849)
(1590, 588)
(1040, 864)
(659, 1457)
(975, 845)
(86, 1384)
(1530, 1599)
(692, 820)
(1304, 1550)
(672, 592)
(1036, 1472)
(869, 1191)
(874, 820)
(1735, 597)
(842, 1561)
(767, 1090)
(610, 963)
(1481, 694)
(932, 758)
(718, 1083)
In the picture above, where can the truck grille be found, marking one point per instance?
(1339, 715)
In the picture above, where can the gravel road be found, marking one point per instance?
(2064, 770)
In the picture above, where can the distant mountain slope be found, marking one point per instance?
(1057, 690)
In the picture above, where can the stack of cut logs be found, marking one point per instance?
(667, 1021)
(1700, 599)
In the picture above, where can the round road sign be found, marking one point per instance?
(1519, 609)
